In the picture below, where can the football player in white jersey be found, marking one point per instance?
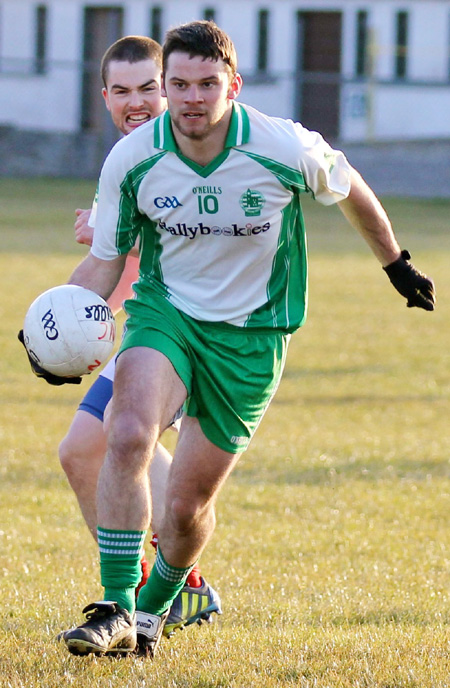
(212, 189)
(131, 73)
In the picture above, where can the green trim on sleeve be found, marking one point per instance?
(288, 176)
(130, 220)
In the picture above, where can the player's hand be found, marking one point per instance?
(40, 372)
(83, 232)
(416, 287)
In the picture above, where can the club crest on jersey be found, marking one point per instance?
(252, 202)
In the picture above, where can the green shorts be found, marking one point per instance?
(231, 373)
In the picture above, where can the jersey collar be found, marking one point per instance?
(238, 131)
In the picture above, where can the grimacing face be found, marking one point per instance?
(199, 94)
(133, 93)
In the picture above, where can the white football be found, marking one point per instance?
(69, 331)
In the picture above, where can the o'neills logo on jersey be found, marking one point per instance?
(183, 230)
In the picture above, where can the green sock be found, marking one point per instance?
(120, 564)
(163, 585)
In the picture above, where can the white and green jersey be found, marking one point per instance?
(224, 242)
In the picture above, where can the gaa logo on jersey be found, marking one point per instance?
(167, 202)
(252, 202)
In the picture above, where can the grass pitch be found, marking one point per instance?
(332, 550)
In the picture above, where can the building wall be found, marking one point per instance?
(48, 102)
(374, 109)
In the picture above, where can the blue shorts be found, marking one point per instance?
(96, 399)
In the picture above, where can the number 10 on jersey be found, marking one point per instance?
(207, 204)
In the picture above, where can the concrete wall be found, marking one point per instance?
(40, 114)
(410, 169)
(47, 154)
(46, 102)
(52, 102)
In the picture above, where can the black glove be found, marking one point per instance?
(416, 287)
(48, 377)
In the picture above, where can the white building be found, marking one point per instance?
(356, 70)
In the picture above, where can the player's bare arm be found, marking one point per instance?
(124, 289)
(83, 231)
(101, 276)
(84, 234)
(366, 214)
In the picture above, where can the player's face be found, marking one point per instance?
(133, 93)
(199, 94)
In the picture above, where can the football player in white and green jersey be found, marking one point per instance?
(131, 73)
(237, 221)
(213, 191)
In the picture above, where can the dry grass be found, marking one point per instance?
(332, 550)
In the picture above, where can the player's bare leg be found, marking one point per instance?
(143, 404)
(82, 453)
(199, 469)
(198, 599)
(147, 395)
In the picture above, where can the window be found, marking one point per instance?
(361, 44)
(40, 44)
(101, 27)
(209, 14)
(156, 24)
(263, 40)
(401, 45)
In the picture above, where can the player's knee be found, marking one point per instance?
(189, 513)
(68, 455)
(131, 443)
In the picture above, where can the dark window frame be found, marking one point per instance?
(156, 31)
(262, 56)
(41, 39)
(362, 43)
(401, 44)
(209, 13)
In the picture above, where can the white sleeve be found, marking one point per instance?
(326, 171)
(93, 215)
(106, 212)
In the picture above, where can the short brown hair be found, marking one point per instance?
(201, 38)
(131, 49)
